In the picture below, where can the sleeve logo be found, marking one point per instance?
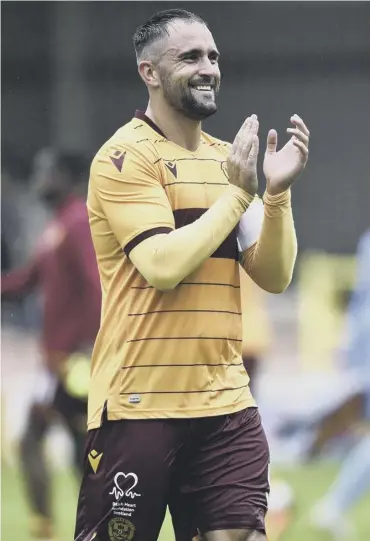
(171, 166)
(117, 159)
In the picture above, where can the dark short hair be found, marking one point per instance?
(157, 27)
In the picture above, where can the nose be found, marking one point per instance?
(208, 68)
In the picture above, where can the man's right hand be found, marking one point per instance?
(242, 162)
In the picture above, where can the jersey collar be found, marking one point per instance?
(142, 116)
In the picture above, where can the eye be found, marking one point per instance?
(191, 57)
(214, 58)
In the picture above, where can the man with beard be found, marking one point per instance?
(64, 270)
(170, 416)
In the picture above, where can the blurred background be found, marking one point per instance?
(69, 80)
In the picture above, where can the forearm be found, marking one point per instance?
(165, 260)
(270, 262)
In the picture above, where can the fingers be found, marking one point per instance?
(249, 128)
(253, 154)
(302, 147)
(255, 126)
(298, 122)
(239, 135)
(242, 161)
(271, 142)
(248, 150)
(299, 135)
(245, 149)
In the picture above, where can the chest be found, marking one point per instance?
(194, 182)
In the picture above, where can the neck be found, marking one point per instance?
(179, 129)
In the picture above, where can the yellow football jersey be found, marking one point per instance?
(162, 354)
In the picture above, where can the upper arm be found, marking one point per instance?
(127, 185)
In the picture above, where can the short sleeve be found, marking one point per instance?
(127, 185)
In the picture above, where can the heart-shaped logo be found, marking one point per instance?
(118, 492)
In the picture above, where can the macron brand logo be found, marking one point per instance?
(172, 167)
(94, 460)
(118, 159)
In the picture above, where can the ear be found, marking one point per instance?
(149, 74)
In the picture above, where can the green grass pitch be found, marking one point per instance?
(308, 482)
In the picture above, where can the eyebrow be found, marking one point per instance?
(198, 52)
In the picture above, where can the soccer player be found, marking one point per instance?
(171, 420)
(64, 270)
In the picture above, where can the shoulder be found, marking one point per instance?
(132, 141)
(129, 158)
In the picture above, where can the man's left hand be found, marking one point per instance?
(283, 167)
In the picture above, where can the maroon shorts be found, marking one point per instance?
(211, 472)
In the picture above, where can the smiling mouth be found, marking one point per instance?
(203, 88)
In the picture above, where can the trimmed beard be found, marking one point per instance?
(182, 100)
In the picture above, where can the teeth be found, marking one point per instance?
(204, 87)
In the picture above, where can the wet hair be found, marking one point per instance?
(156, 28)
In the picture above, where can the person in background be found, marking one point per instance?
(353, 479)
(64, 270)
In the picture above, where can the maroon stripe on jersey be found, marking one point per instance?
(227, 250)
(177, 365)
(187, 311)
(185, 338)
(195, 391)
(145, 235)
(192, 284)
